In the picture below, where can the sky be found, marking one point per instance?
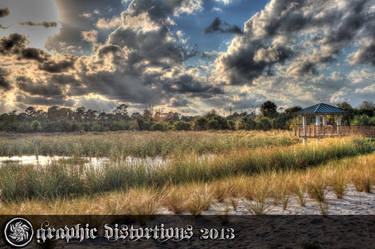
(189, 56)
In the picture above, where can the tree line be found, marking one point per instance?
(62, 119)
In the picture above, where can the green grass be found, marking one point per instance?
(61, 179)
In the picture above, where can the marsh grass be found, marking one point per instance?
(140, 144)
(200, 200)
(191, 183)
(175, 199)
(62, 180)
(197, 197)
(338, 180)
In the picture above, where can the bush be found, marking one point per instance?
(119, 125)
(213, 124)
(143, 125)
(23, 127)
(361, 120)
(250, 124)
(200, 123)
(159, 127)
(264, 124)
(36, 126)
(182, 126)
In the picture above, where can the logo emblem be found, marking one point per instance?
(18, 232)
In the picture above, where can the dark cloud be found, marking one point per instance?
(38, 88)
(4, 82)
(302, 68)
(15, 44)
(33, 54)
(12, 44)
(365, 54)
(218, 26)
(186, 84)
(106, 49)
(58, 66)
(272, 54)
(4, 12)
(73, 23)
(252, 61)
(180, 102)
(29, 100)
(43, 24)
(64, 79)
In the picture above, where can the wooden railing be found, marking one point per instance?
(313, 131)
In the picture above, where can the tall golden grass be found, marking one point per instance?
(64, 180)
(140, 143)
(263, 188)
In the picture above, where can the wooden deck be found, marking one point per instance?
(313, 131)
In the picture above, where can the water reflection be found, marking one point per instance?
(86, 161)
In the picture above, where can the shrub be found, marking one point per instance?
(182, 126)
(200, 123)
(213, 124)
(159, 127)
(36, 126)
(263, 124)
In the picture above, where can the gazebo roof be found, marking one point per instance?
(320, 109)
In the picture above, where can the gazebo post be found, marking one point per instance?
(304, 123)
(317, 123)
(338, 124)
(317, 120)
(324, 120)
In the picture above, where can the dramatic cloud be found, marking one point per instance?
(4, 82)
(12, 44)
(43, 24)
(4, 12)
(58, 65)
(324, 27)
(38, 88)
(147, 52)
(218, 26)
(33, 54)
(15, 45)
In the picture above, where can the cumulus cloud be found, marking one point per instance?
(324, 28)
(142, 61)
(141, 57)
(43, 24)
(218, 26)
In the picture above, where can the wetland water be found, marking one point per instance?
(86, 161)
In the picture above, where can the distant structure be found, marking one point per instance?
(321, 129)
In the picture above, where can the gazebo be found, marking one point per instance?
(321, 129)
